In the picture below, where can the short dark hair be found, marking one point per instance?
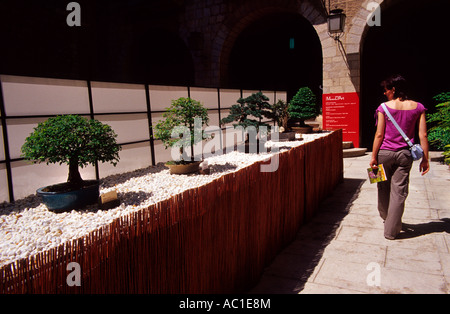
(399, 83)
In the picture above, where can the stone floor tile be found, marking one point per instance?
(294, 266)
(361, 235)
(442, 241)
(356, 276)
(336, 251)
(364, 221)
(410, 282)
(314, 288)
(349, 251)
(345, 275)
(277, 285)
(424, 243)
(417, 213)
(445, 260)
(428, 262)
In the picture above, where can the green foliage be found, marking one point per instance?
(280, 113)
(72, 140)
(71, 137)
(438, 138)
(179, 118)
(447, 154)
(303, 105)
(442, 98)
(250, 111)
(439, 134)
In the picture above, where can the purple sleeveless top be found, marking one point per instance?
(406, 119)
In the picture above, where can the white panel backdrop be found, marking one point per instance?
(122, 106)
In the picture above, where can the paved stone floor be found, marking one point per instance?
(343, 250)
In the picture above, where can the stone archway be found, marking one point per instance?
(244, 17)
(410, 41)
(280, 51)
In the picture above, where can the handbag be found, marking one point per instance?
(416, 149)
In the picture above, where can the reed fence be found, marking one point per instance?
(213, 239)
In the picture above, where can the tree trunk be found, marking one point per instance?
(74, 178)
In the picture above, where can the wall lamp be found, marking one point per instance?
(336, 23)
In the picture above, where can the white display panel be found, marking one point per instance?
(114, 97)
(43, 96)
(161, 96)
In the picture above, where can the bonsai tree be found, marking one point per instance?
(280, 114)
(249, 112)
(72, 140)
(179, 117)
(247, 109)
(303, 106)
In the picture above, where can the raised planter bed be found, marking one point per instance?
(173, 234)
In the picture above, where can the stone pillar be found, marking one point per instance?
(341, 59)
(340, 67)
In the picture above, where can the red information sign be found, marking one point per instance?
(341, 111)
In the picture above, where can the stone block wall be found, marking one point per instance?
(210, 28)
(218, 23)
(341, 60)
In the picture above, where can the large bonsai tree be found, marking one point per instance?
(250, 111)
(72, 140)
(179, 117)
(303, 106)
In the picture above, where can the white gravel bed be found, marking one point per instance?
(27, 227)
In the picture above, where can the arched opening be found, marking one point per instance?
(411, 41)
(280, 51)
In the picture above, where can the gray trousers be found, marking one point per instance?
(392, 193)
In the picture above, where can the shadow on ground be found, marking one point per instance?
(410, 231)
(115, 179)
(291, 269)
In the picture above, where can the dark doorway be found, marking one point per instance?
(411, 41)
(278, 52)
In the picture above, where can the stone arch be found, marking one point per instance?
(342, 61)
(236, 23)
(359, 26)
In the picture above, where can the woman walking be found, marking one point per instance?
(391, 150)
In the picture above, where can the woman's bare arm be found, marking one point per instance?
(423, 136)
(378, 140)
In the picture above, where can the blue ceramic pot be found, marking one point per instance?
(68, 200)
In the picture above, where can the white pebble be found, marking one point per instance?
(28, 227)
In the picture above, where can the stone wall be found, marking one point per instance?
(341, 70)
(210, 28)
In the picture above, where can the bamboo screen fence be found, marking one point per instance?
(213, 239)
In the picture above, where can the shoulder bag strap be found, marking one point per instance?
(397, 126)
